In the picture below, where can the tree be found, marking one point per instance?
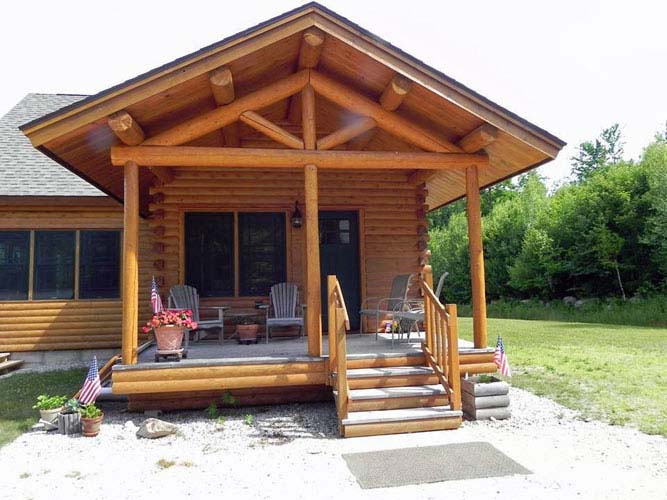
(592, 155)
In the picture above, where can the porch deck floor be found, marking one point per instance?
(357, 344)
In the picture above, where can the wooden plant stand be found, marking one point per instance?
(178, 354)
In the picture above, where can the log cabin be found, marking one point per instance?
(198, 172)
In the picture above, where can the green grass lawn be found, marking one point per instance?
(613, 373)
(19, 392)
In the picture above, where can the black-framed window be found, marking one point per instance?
(99, 264)
(262, 255)
(14, 264)
(209, 253)
(54, 264)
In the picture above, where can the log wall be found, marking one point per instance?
(392, 218)
(39, 325)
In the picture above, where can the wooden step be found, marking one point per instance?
(388, 398)
(8, 366)
(4, 356)
(365, 378)
(396, 421)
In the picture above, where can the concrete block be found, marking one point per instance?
(487, 413)
(485, 401)
(473, 386)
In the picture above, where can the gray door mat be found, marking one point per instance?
(430, 464)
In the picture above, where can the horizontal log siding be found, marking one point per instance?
(40, 325)
(391, 217)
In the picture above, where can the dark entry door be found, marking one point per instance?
(339, 255)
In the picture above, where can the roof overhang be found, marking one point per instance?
(78, 136)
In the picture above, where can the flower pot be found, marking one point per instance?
(169, 338)
(50, 416)
(247, 333)
(91, 426)
(69, 423)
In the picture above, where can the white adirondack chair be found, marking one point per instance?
(186, 297)
(284, 309)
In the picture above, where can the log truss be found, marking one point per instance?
(166, 149)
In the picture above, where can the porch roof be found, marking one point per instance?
(79, 137)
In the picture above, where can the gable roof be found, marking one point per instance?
(24, 171)
(78, 137)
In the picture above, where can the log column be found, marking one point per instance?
(313, 285)
(473, 206)
(130, 324)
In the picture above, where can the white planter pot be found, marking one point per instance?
(50, 416)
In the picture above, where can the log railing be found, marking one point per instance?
(441, 343)
(338, 324)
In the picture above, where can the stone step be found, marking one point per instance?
(400, 415)
(397, 392)
(8, 366)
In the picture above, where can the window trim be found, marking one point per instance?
(286, 211)
(77, 265)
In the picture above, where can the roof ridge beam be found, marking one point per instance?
(310, 50)
(225, 115)
(221, 82)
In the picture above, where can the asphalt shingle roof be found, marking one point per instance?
(24, 171)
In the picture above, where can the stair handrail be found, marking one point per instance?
(338, 323)
(441, 343)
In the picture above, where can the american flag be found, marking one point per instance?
(156, 301)
(91, 386)
(500, 358)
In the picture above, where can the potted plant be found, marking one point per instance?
(169, 326)
(247, 328)
(49, 407)
(91, 419)
(69, 418)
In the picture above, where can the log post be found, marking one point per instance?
(473, 207)
(130, 322)
(314, 310)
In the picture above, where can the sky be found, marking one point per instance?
(572, 67)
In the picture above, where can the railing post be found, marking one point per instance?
(454, 375)
(341, 363)
(331, 321)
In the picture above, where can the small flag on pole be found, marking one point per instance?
(156, 301)
(500, 358)
(91, 386)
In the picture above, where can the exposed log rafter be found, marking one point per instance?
(391, 98)
(225, 115)
(346, 133)
(130, 133)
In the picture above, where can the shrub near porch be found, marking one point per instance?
(608, 372)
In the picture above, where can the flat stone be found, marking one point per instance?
(153, 428)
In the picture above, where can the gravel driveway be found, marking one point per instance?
(292, 451)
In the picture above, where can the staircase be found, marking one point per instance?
(396, 399)
(389, 394)
(7, 365)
